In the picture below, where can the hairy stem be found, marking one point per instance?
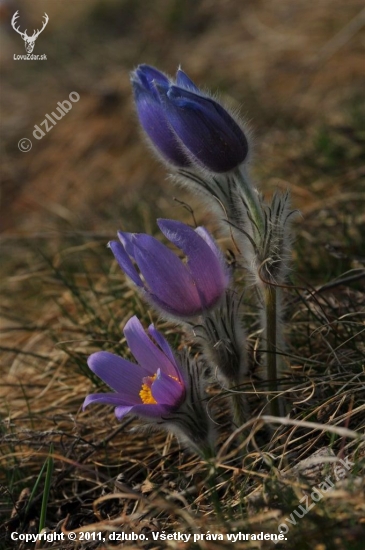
(239, 408)
(271, 334)
(252, 200)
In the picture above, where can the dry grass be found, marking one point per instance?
(298, 68)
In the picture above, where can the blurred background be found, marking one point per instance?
(295, 70)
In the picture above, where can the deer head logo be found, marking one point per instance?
(29, 41)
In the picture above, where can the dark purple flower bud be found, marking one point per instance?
(183, 290)
(152, 118)
(211, 135)
(185, 125)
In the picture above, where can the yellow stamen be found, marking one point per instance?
(146, 394)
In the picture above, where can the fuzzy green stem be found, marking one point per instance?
(252, 200)
(271, 330)
(206, 452)
(239, 408)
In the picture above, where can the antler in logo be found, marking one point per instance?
(29, 40)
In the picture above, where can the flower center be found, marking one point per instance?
(145, 393)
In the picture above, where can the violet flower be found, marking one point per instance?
(152, 388)
(158, 388)
(182, 290)
(186, 126)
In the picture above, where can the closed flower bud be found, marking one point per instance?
(152, 118)
(186, 126)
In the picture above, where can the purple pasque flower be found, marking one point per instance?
(153, 388)
(183, 290)
(157, 388)
(186, 126)
(152, 119)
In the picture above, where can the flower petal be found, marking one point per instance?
(210, 134)
(147, 411)
(121, 375)
(152, 118)
(147, 76)
(145, 351)
(207, 104)
(115, 399)
(184, 81)
(205, 264)
(204, 234)
(165, 274)
(167, 390)
(125, 262)
(122, 411)
(127, 240)
(183, 310)
(163, 344)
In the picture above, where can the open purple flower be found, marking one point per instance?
(180, 289)
(157, 388)
(152, 388)
(186, 126)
